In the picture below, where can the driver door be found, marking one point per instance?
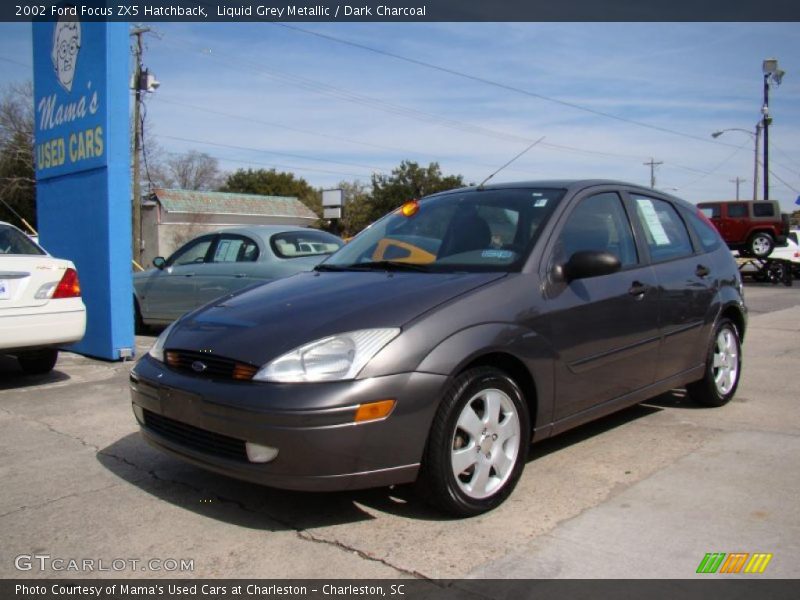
(171, 292)
(604, 329)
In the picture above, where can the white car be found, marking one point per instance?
(40, 302)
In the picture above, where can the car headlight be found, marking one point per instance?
(157, 350)
(334, 358)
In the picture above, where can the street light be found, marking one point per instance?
(757, 139)
(772, 74)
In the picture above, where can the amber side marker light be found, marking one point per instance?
(410, 208)
(373, 410)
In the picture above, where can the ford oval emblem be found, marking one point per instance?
(198, 367)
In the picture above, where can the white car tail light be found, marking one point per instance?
(69, 286)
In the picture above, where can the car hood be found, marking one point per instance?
(267, 321)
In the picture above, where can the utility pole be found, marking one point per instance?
(653, 164)
(737, 181)
(137, 32)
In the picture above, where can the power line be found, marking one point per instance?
(275, 165)
(493, 83)
(263, 151)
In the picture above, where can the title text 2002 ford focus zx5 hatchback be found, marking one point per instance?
(446, 337)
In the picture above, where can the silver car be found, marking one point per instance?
(218, 263)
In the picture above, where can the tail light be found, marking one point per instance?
(69, 286)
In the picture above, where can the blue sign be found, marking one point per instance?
(82, 154)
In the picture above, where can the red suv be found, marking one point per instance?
(753, 228)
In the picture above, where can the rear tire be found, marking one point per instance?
(478, 444)
(38, 363)
(723, 367)
(760, 245)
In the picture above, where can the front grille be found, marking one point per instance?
(196, 438)
(213, 367)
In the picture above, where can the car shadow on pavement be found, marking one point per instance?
(12, 377)
(248, 504)
(259, 507)
(676, 399)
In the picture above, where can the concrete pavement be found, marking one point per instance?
(643, 493)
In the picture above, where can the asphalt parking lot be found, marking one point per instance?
(644, 493)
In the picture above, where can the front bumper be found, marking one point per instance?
(319, 446)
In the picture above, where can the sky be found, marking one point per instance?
(340, 101)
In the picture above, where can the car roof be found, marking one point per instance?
(571, 185)
(263, 231)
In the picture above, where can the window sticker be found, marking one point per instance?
(540, 203)
(500, 254)
(650, 217)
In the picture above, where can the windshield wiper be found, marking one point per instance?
(325, 267)
(387, 265)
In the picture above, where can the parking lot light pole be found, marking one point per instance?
(772, 74)
(757, 138)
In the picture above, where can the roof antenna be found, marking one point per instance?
(480, 187)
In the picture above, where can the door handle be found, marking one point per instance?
(637, 288)
(702, 270)
(240, 275)
(188, 274)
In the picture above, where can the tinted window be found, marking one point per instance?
(664, 230)
(235, 248)
(291, 244)
(763, 209)
(192, 253)
(599, 223)
(706, 232)
(737, 211)
(712, 212)
(13, 241)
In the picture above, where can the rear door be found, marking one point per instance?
(229, 267)
(737, 222)
(685, 281)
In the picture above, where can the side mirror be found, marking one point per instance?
(159, 262)
(590, 263)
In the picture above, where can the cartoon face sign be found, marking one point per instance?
(66, 44)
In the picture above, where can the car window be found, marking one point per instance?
(13, 241)
(793, 237)
(235, 248)
(763, 209)
(737, 211)
(664, 230)
(705, 230)
(192, 253)
(712, 212)
(600, 223)
(311, 242)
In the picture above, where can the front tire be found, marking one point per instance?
(478, 444)
(38, 363)
(723, 367)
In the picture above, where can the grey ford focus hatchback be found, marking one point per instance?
(448, 336)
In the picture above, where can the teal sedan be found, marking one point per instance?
(216, 264)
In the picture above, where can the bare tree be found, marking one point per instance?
(194, 171)
(17, 179)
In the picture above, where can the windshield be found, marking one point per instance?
(470, 230)
(13, 241)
